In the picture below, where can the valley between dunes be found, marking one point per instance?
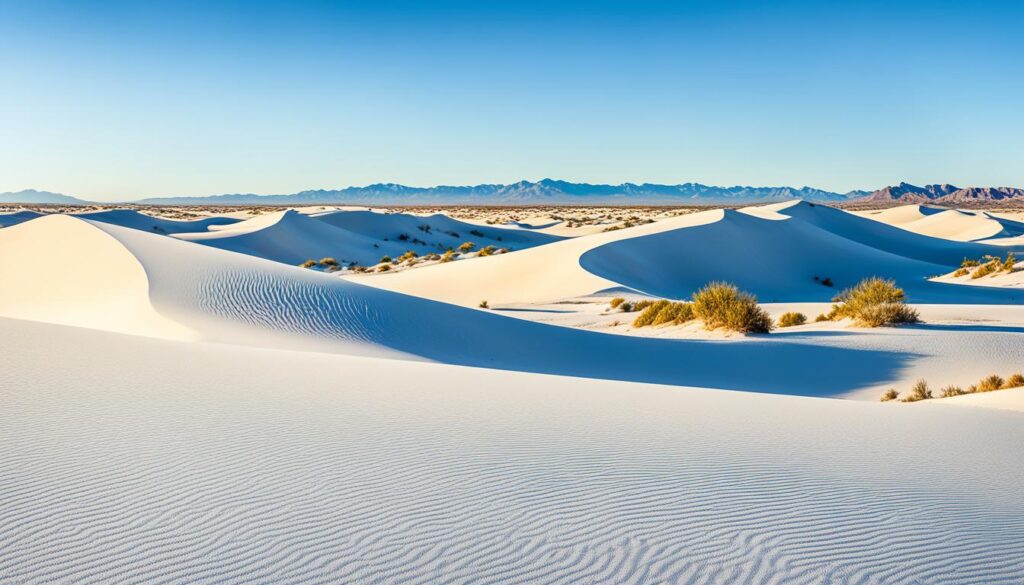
(182, 402)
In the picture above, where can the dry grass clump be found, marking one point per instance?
(383, 268)
(792, 319)
(722, 305)
(1010, 262)
(991, 267)
(616, 302)
(484, 305)
(874, 302)
(487, 251)
(466, 246)
(1014, 381)
(665, 313)
(308, 264)
(919, 391)
(328, 261)
(950, 391)
(990, 383)
(890, 395)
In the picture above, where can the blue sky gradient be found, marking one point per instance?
(116, 100)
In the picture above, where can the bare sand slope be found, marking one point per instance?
(136, 220)
(16, 217)
(546, 273)
(225, 297)
(779, 258)
(951, 224)
(154, 461)
(359, 236)
(774, 251)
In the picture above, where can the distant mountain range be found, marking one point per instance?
(546, 191)
(942, 194)
(31, 196)
(552, 192)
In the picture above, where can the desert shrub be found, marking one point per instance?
(385, 259)
(792, 319)
(1010, 262)
(874, 302)
(1014, 381)
(641, 305)
(674, 314)
(448, 256)
(990, 383)
(484, 305)
(328, 262)
(992, 266)
(466, 246)
(616, 302)
(308, 264)
(960, 272)
(432, 257)
(720, 304)
(626, 307)
(950, 391)
(383, 268)
(822, 317)
(919, 391)
(890, 394)
(968, 263)
(486, 251)
(648, 315)
(409, 254)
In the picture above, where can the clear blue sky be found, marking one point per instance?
(112, 100)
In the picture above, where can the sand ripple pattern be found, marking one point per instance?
(249, 467)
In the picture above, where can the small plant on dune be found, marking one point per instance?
(448, 256)
(1014, 381)
(642, 304)
(990, 383)
(1010, 262)
(890, 394)
(466, 246)
(674, 314)
(383, 268)
(647, 316)
(951, 391)
(874, 302)
(822, 317)
(616, 302)
(487, 251)
(792, 319)
(960, 272)
(968, 263)
(308, 264)
(919, 391)
(385, 259)
(328, 261)
(484, 305)
(991, 267)
(626, 307)
(722, 305)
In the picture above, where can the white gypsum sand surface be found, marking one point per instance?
(145, 460)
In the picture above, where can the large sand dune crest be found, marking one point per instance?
(231, 298)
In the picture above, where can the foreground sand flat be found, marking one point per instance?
(142, 460)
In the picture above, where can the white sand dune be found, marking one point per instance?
(16, 217)
(951, 224)
(774, 251)
(153, 461)
(133, 219)
(358, 236)
(215, 295)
